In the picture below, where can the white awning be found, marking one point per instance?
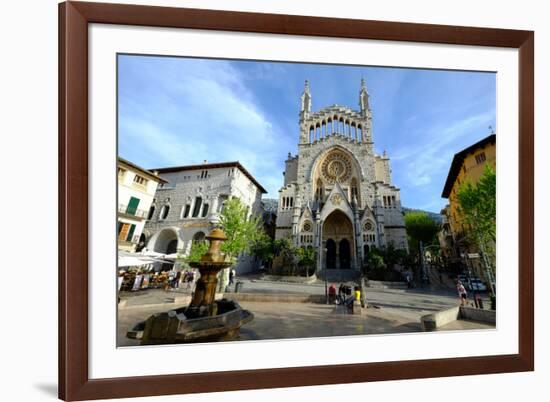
(126, 259)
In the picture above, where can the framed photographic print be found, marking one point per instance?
(260, 200)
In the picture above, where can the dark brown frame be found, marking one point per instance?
(74, 18)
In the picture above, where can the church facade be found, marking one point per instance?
(338, 195)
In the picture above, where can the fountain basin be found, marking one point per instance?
(174, 326)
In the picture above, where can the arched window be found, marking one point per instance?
(197, 208)
(311, 134)
(151, 213)
(205, 210)
(319, 190)
(359, 133)
(164, 211)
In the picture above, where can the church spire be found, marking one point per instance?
(363, 97)
(306, 102)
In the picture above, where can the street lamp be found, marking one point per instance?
(469, 272)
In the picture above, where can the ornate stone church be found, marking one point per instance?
(338, 195)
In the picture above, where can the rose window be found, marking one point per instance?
(336, 167)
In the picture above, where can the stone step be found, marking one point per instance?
(275, 298)
(387, 285)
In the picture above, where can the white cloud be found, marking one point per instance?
(184, 113)
(422, 169)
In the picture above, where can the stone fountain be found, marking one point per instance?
(205, 319)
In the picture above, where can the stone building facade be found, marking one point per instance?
(338, 195)
(187, 208)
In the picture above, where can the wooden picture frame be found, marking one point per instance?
(74, 381)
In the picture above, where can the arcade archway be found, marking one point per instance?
(165, 242)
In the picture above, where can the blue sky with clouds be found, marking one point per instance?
(179, 111)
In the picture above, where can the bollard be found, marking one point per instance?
(479, 302)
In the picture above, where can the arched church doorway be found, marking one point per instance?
(331, 254)
(345, 255)
(338, 240)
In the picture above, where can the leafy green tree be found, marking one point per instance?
(408, 262)
(375, 267)
(241, 231)
(288, 254)
(198, 248)
(264, 248)
(393, 256)
(477, 209)
(422, 230)
(306, 258)
(374, 260)
(420, 227)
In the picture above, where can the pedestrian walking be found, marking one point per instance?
(408, 279)
(357, 293)
(232, 274)
(462, 295)
(341, 294)
(332, 293)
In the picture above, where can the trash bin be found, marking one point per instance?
(238, 286)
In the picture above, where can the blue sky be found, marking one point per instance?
(179, 111)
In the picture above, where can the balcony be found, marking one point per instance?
(138, 214)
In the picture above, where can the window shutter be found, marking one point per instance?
(123, 231)
(131, 233)
(132, 206)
